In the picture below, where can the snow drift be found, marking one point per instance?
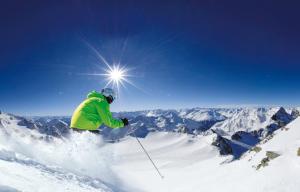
(33, 161)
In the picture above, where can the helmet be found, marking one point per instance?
(108, 92)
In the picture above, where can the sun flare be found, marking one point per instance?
(116, 74)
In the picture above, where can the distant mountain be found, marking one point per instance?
(246, 125)
(191, 121)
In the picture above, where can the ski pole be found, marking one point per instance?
(148, 156)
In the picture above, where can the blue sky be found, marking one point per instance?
(181, 53)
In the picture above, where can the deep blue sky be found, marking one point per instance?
(182, 53)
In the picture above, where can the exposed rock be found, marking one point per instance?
(182, 129)
(272, 155)
(236, 136)
(268, 138)
(284, 129)
(234, 145)
(249, 138)
(258, 133)
(263, 163)
(282, 117)
(298, 152)
(295, 113)
(223, 145)
(256, 149)
(27, 123)
(271, 128)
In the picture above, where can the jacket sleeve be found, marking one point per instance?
(106, 116)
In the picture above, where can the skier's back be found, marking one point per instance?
(94, 111)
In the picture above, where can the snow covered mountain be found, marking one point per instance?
(247, 119)
(192, 121)
(199, 120)
(234, 126)
(249, 125)
(42, 154)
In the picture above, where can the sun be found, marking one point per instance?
(116, 75)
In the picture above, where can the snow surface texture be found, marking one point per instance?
(29, 161)
(32, 161)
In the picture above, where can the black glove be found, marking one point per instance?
(125, 121)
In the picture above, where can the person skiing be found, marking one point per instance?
(94, 111)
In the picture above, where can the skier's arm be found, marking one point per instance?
(107, 118)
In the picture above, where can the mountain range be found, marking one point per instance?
(215, 143)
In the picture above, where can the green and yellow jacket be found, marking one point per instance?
(93, 112)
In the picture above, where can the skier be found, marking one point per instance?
(94, 111)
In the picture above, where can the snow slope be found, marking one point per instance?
(285, 142)
(31, 161)
(191, 164)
